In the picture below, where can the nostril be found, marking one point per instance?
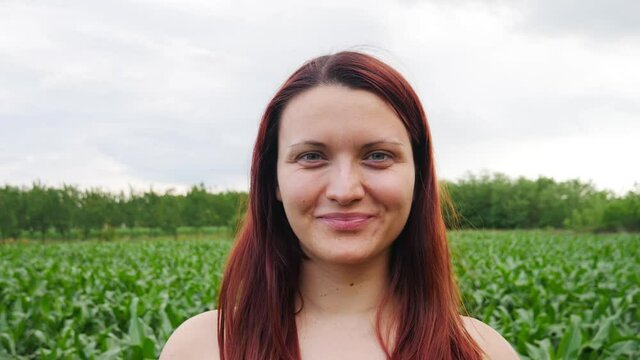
(345, 184)
(345, 194)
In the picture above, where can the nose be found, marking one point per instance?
(345, 183)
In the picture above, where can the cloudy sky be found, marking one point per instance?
(169, 93)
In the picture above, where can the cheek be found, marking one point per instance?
(395, 190)
(296, 195)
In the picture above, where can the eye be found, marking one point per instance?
(378, 156)
(379, 159)
(311, 156)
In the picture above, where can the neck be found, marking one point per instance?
(339, 289)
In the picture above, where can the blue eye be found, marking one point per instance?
(378, 156)
(310, 157)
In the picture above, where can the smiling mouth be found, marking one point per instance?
(346, 222)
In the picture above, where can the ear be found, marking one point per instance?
(278, 196)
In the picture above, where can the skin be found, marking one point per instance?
(341, 151)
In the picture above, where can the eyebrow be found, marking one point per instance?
(366, 146)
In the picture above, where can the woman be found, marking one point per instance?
(343, 252)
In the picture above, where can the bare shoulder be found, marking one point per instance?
(196, 338)
(491, 342)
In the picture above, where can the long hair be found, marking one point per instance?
(257, 298)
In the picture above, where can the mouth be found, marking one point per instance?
(346, 221)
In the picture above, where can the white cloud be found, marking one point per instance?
(523, 104)
(170, 92)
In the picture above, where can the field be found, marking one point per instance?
(552, 295)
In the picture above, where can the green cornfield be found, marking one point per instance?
(553, 295)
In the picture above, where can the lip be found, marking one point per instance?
(346, 221)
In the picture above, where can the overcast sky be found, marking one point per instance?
(169, 93)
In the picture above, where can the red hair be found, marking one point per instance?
(257, 298)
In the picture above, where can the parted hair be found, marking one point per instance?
(257, 296)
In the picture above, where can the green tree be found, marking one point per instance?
(92, 214)
(11, 211)
(65, 205)
(198, 210)
(40, 208)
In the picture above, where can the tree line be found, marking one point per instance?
(484, 201)
(39, 210)
(497, 201)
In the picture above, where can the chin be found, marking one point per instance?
(348, 256)
(346, 259)
(345, 248)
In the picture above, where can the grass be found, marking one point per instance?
(552, 295)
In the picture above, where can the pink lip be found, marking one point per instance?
(346, 221)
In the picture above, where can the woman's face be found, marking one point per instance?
(345, 173)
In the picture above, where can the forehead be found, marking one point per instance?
(338, 112)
